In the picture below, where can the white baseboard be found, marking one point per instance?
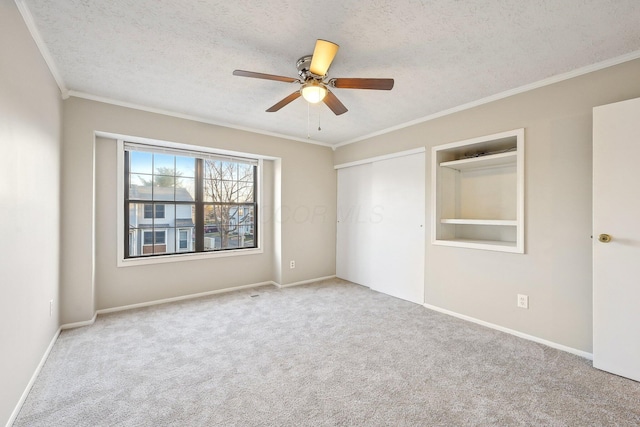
(18, 407)
(80, 324)
(304, 282)
(186, 297)
(181, 298)
(158, 302)
(551, 344)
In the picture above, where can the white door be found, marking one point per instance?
(616, 213)
(354, 221)
(380, 231)
(398, 236)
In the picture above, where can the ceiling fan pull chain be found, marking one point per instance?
(308, 121)
(319, 129)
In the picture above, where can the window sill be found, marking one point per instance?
(131, 262)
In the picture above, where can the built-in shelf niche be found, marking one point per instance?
(478, 193)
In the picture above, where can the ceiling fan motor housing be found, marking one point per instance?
(303, 65)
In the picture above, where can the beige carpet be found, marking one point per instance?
(326, 354)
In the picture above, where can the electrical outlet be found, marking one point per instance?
(523, 301)
(292, 264)
(50, 307)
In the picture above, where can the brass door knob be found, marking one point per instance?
(604, 238)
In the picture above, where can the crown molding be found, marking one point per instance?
(105, 100)
(528, 87)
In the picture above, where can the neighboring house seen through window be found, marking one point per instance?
(148, 211)
(184, 201)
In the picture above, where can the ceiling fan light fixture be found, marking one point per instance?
(313, 92)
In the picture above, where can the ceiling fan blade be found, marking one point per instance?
(334, 103)
(295, 95)
(243, 73)
(322, 58)
(378, 84)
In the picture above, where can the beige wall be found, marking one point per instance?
(30, 126)
(555, 271)
(91, 279)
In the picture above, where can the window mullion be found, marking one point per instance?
(255, 206)
(199, 190)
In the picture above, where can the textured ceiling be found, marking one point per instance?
(178, 56)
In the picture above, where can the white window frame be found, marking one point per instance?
(178, 257)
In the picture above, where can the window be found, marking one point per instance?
(183, 239)
(159, 211)
(181, 201)
(155, 238)
(154, 242)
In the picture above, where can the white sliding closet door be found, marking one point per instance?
(381, 233)
(353, 241)
(398, 240)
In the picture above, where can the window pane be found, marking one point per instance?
(182, 238)
(245, 217)
(134, 242)
(140, 187)
(232, 241)
(246, 226)
(212, 190)
(212, 226)
(140, 179)
(232, 191)
(140, 162)
(185, 189)
(164, 164)
(211, 169)
(186, 239)
(136, 214)
(160, 238)
(159, 211)
(217, 191)
(148, 211)
(185, 167)
(229, 170)
(154, 242)
(185, 215)
(245, 191)
(245, 172)
(163, 187)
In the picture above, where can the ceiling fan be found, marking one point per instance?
(312, 72)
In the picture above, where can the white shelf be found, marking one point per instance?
(480, 242)
(494, 245)
(460, 221)
(478, 198)
(491, 160)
